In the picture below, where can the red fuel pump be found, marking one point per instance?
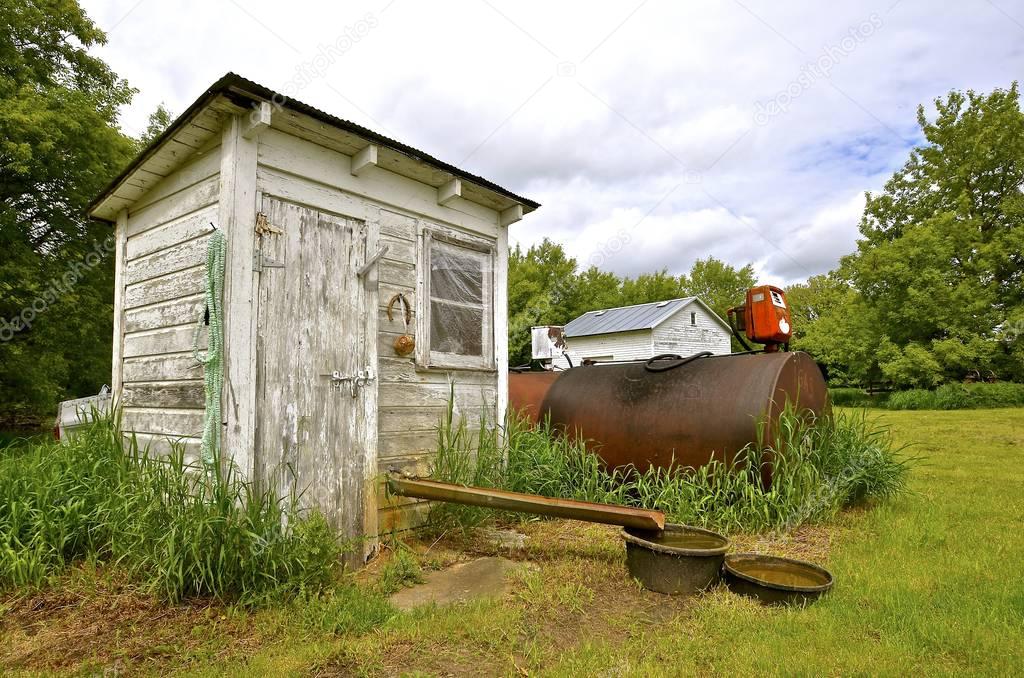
(764, 318)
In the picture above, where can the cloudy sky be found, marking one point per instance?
(653, 132)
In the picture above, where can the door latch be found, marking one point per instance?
(355, 382)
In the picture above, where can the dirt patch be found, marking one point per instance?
(111, 626)
(589, 594)
(807, 542)
(576, 591)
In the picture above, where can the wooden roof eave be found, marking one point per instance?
(199, 126)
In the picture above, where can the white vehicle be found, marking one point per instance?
(73, 415)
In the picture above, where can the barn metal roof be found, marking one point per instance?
(632, 318)
(244, 93)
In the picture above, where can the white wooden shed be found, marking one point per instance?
(326, 222)
(682, 326)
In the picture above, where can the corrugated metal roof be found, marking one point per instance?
(625, 318)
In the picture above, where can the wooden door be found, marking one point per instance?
(311, 346)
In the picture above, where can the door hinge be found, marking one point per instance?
(260, 262)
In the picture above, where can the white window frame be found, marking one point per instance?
(430, 359)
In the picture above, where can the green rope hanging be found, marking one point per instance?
(213, 361)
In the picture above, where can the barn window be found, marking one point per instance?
(693, 318)
(456, 304)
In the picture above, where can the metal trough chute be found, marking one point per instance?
(591, 512)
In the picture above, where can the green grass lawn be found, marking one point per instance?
(929, 583)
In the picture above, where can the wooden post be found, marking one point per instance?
(367, 432)
(501, 324)
(237, 216)
(117, 357)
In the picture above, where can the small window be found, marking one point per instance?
(456, 303)
(693, 318)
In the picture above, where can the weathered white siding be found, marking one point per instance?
(676, 334)
(636, 345)
(410, 401)
(679, 335)
(159, 299)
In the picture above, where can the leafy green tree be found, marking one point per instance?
(941, 259)
(833, 324)
(718, 284)
(59, 144)
(912, 365)
(539, 282)
(591, 289)
(649, 287)
(159, 120)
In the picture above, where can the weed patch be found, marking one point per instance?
(817, 466)
(346, 609)
(403, 571)
(173, 527)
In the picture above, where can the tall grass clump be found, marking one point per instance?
(465, 457)
(959, 397)
(818, 465)
(344, 609)
(520, 458)
(175, 528)
(856, 397)
(946, 397)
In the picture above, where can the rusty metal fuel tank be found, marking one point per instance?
(527, 390)
(653, 414)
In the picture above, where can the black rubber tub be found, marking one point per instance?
(774, 580)
(679, 560)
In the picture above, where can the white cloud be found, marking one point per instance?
(598, 111)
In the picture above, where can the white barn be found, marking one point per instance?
(682, 326)
(326, 222)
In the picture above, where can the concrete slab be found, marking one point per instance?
(480, 578)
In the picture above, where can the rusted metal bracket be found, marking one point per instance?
(264, 227)
(590, 512)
